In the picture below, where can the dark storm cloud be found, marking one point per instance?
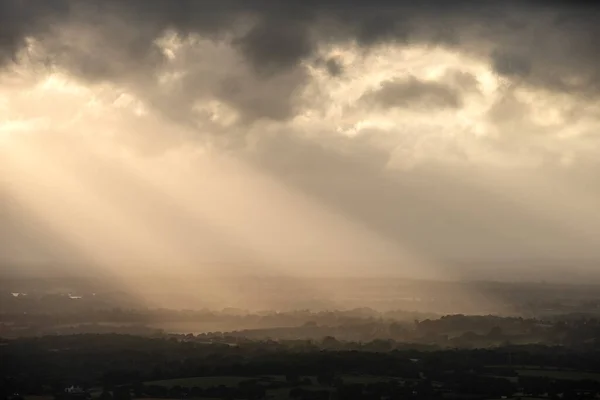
(414, 93)
(511, 64)
(551, 44)
(18, 21)
(271, 46)
(262, 99)
(334, 67)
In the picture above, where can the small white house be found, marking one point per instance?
(74, 390)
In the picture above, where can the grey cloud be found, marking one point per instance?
(272, 98)
(382, 27)
(508, 109)
(463, 80)
(511, 117)
(20, 20)
(547, 44)
(413, 93)
(511, 64)
(334, 67)
(272, 46)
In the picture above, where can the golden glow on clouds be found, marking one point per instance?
(340, 106)
(90, 161)
(74, 172)
(330, 104)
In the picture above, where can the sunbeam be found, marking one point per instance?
(201, 155)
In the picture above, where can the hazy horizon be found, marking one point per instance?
(506, 271)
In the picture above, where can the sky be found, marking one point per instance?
(329, 137)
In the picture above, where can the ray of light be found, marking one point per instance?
(269, 222)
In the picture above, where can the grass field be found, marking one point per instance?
(230, 381)
(560, 374)
(366, 379)
(549, 372)
(202, 381)
(208, 381)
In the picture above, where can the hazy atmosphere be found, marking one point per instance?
(299, 200)
(432, 140)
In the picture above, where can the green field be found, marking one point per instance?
(560, 374)
(549, 372)
(230, 381)
(366, 379)
(202, 381)
(208, 381)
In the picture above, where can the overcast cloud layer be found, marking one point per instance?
(381, 131)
